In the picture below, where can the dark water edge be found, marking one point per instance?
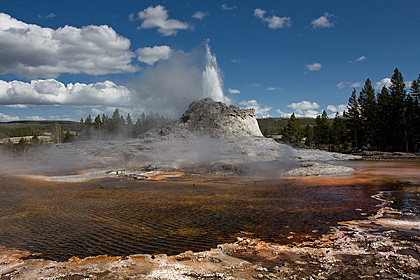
(120, 217)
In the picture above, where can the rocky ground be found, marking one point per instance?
(381, 156)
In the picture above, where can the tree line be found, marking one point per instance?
(385, 121)
(105, 127)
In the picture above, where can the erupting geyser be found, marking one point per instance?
(212, 81)
(170, 85)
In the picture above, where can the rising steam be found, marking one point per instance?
(172, 84)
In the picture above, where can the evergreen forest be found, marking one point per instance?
(388, 120)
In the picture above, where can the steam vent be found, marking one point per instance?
(206, 116)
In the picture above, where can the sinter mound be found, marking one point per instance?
(206, 116)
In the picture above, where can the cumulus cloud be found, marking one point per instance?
(253, 104)
(53, 92)
(33, 51)
(274, 22)
(234, 91)
(323, 21)
(152, 55)
(283, 114)
(314, 67)
(303, 109)
(299, 114)
(8, 118)
(309, 114)
(384, 82)
(167, 87)
(303, 105)
(337, 108)
(200, 15)
(157, 17)
(227, 8)
(34, 118)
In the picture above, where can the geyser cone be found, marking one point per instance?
(216, 119)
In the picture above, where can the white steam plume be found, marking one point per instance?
(172, 84)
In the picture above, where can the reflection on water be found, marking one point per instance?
(405, 199)
(121, 217)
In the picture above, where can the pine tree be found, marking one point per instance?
(116, 122)
(338, 133)
(322, 129)
(415, 88)
(353, 120)
(293, 130)
(368, 115)
(415, 92)
(88, 121)
(397, 119)
(384, 114)
(409, 111)
(97, 122)
(129, 121)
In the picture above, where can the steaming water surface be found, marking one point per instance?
(121, 217)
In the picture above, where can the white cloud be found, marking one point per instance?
(157, 17)
(200, 15)
(253, 104)
(17, 106)
(254, 85)
(356, 84)
(345, 84)
(314, 67)
(53, 92)
(34, 118)
(310, 114)
(303, 105)
(50, 15)
(236, 60)
(132, 17)
(274, 22)
(227, 8)
(341, 85)
(323, 21)
(283, 114)
(233, 91)
(33, 51)
(152, 55)
(273, 88)
(8, 118)
(358, 59)
(337, 108)
(384, 82)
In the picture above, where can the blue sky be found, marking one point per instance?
(68, 59)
